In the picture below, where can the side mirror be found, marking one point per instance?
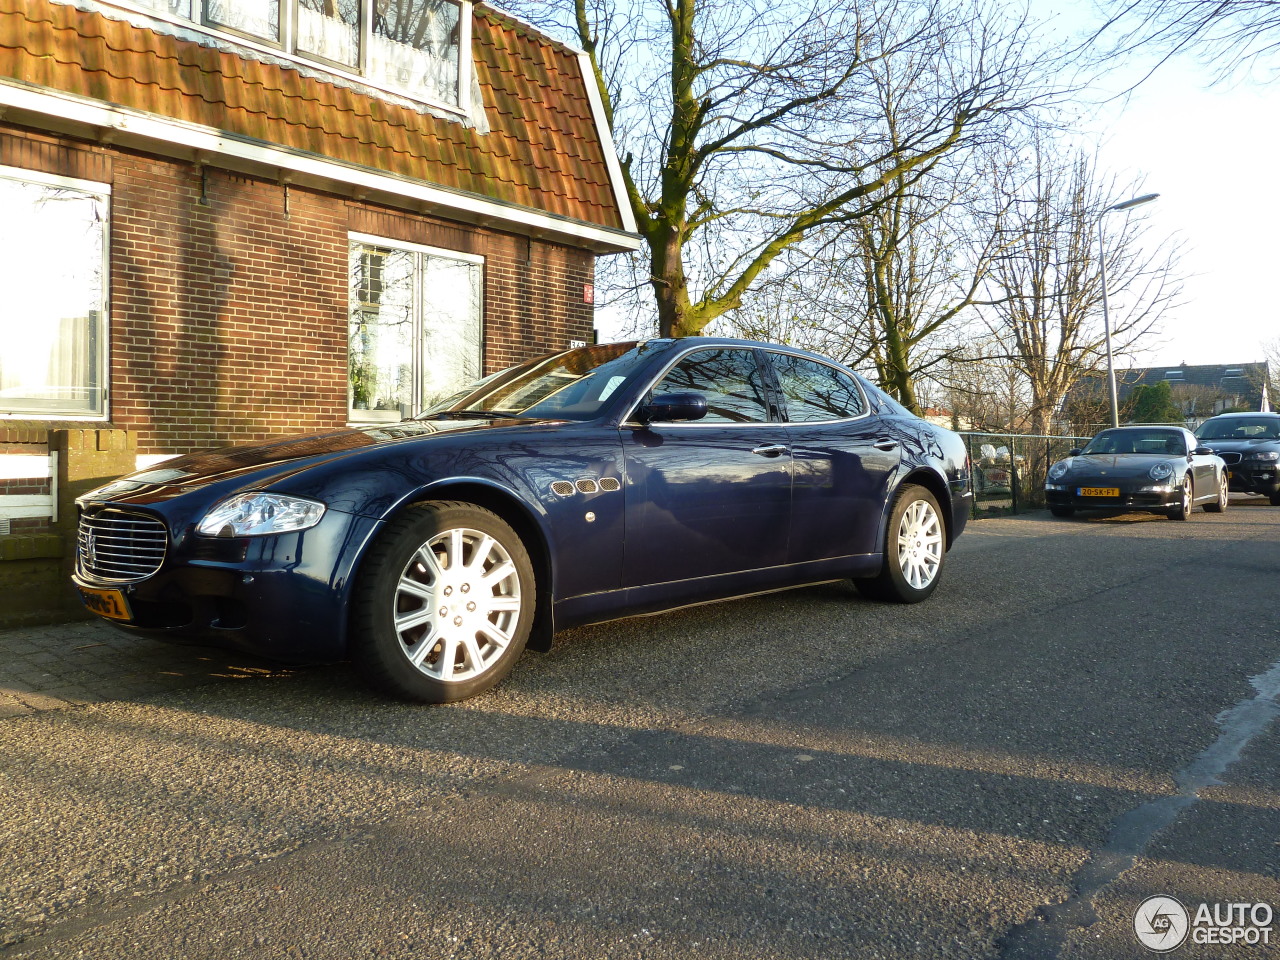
(1075, 452)
(673, 407)
(1202, 452)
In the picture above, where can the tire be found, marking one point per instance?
(1275, 499)
(1219, 505)
(1182, 510)
(914, 551)
(1063, 511)
(444, 603)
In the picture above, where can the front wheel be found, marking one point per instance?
(1219, 505)
(1182, 509)
(444, 604)
(1063, 511)
(914, 550)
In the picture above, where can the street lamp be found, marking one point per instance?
(1106, 320)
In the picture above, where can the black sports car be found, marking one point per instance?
(1162, 469)
(582, 486)
(1249, 444)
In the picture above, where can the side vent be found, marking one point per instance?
(610, 485)
(562, 488)
(587, 485)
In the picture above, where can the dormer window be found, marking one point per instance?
(1173, 375)
(409, 47)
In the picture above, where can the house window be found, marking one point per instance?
(257, 18)
(53, 271)
(415, 46)
(415, 330)
(410, 47)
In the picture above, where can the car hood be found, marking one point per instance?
(1242, 446)
(1117, 464)
(262, 464)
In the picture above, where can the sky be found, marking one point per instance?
(1210, 152)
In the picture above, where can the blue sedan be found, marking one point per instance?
(579, 487)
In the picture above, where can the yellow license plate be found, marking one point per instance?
(106, 603)
(1099, 491)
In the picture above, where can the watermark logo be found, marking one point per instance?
(1161, 924)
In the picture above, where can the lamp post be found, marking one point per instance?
(1106, 320)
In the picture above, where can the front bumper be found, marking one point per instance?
(1252, 477)
(1132, 496)
(284, 597)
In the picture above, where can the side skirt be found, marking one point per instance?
(679, 594)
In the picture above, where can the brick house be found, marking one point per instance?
(226, 219)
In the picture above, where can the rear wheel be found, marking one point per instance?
(914, 550)
(1219, 505)
(1182, 509)
(444, 604)
(1063, 511)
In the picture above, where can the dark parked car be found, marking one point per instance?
(1162, 469)
(1249, 444)
(582, 486)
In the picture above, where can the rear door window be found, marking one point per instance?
(814, 391)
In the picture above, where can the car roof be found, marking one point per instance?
(1244, 413)
(757, 344)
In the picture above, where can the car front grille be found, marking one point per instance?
(1230, 458)
(118, 546)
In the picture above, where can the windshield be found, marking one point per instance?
(1165, 442)
(1240, 428)
(574, 385)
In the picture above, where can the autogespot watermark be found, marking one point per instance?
(1163, 924)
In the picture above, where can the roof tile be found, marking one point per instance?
(542, 151)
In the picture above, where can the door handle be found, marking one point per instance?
(771, 450)
(886, 443)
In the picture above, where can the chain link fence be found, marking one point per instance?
(1009, 469)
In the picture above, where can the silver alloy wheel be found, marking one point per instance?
(1186, 497)
(457, 604)
(920, 544)
(1223, 494)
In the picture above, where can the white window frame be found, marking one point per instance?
(409, 247)
(284, 49)
(102, 190)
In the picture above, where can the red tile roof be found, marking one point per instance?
(543, 151)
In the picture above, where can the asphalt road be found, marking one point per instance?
(1081, 717)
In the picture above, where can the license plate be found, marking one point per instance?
(106, 603)
(1099, 491)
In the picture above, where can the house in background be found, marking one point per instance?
(227, 219)
(1201, 391)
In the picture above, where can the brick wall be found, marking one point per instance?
(228, 318)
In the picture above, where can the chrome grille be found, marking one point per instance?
(562, 488)
(119, 546)
(610, 485)
(1230, 457)
(587, 485)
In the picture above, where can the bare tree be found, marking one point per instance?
(1232, 35)
(1046, 285)
(748, 125)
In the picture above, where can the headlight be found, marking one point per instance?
(1059, 470)
(259, 515)
(1161, 471)
(1265, 455)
